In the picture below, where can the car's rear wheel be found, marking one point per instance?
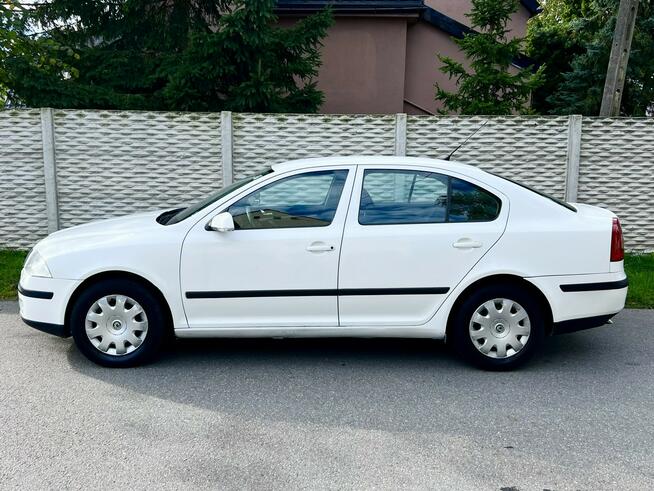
(498, 327)
(118, 323)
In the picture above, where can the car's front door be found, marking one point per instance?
(411, 236)
(279, 267)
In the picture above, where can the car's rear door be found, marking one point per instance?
(412, 233)
(279, 267)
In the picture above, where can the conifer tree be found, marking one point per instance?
(491, 85)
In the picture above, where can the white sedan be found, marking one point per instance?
(348, 246)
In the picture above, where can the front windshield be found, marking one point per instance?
(212, 198)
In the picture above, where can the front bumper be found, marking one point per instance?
(55, 329)
(43, 301)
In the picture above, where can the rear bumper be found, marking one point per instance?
(595, 287)
(578, 297)
(573, 325)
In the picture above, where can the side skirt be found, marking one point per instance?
(310, 332)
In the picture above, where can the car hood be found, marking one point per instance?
(101, 232)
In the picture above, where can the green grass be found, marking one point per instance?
(640, 270)
(11, 262)
(639, 267)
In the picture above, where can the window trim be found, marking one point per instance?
(449, 177)
(292, 175)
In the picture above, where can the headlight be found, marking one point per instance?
(35, 265)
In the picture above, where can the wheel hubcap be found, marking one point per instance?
(116, 325)
(500, 328)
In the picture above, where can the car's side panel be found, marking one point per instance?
(152, 253)
(264, 277)
(563, 304)
(407, 256)
(544, 238)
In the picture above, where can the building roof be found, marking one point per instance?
(427, 14)
(351, 6)
(458, 30)
(369, 6)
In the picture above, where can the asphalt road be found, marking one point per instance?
(289, 414)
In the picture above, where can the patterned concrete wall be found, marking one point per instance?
(23, 218)
(111, 163)
(264, 139)
(617, 173)
(530, 150)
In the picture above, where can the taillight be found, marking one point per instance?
(617, 242)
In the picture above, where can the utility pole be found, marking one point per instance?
(617, 69)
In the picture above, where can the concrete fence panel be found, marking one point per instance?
(530, 150)
(617, 172)
(60, 168)
(111, 163)
(23, 215)
(264, 139)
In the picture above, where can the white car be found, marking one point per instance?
(349, 246)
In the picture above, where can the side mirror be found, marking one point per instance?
(223, 222)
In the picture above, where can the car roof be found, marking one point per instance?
(376, 160)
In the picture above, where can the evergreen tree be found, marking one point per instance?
(553, 42)
(575, 74)
(492, 86)
(200, 55)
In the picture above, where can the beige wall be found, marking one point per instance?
(456, 9)
(422, 67)
(375, 64)
(363, 66)
(424, 42)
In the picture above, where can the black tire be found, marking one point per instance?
(157, 323)
(460, 327)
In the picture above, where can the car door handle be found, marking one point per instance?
(466, 243)
(320, 247)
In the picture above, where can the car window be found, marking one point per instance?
(304, 200)
(394, 196)
(404, 196)
(470, 203)
(176, 216)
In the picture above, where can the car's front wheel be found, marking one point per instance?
(498, 327)
(118, 323)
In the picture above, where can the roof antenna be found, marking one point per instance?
(466, 140)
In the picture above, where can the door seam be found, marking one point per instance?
(340, 249)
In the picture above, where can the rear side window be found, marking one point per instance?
(404, 197)
(470, 203)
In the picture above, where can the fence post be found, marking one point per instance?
(226, 148)
(50, 168)
(400, 134)
(574, 154)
